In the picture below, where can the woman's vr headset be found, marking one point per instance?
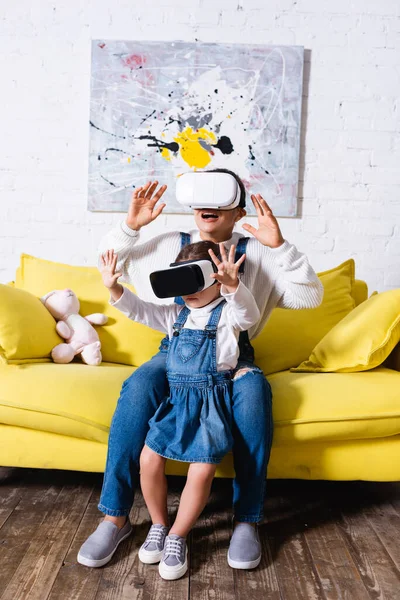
(208, 190)
(183, 278)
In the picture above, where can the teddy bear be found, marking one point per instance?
(80, 337)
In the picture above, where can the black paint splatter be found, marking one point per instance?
(173, 146)
(224, 145)
(122, 137)
(148, 116)
(109, 182)
(252, 157)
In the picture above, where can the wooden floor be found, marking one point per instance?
(320, 540)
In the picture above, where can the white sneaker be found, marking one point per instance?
(151, 550)
(174, 561)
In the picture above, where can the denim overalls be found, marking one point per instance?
(194, 423)
(245, 347)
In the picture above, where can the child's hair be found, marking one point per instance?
(198, 251)
(242, 202)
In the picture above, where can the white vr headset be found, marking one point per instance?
(208, 190)
(183, 278)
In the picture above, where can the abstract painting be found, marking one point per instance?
(160, 109)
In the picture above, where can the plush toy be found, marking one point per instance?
(81, 338)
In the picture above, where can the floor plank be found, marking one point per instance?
(284, 528)
(35, 505)
(378, 572)
(386, 523)
(37, 571)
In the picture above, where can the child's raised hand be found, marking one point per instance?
(228, 269)
(108, 265)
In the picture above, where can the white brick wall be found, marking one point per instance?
(349, 176)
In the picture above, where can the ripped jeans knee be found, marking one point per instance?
(241, 371)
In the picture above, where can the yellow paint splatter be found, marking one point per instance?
(165, 153)
(191, 150)
(129, 159)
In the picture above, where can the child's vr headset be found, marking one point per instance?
(208, 190)
(183, 278)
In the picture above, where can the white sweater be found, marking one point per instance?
(279, 277)
(239, 313)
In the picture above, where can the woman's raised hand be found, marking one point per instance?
(142, 209)
(228, 269)
(268, 232)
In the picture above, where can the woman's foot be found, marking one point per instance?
(151, 550)
(99, 548)
(174, 561)
(245, 547)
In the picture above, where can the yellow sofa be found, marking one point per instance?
(338, 426)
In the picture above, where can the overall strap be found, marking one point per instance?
(181, 319)
(213, 321)
(185, 241)
(240, 250)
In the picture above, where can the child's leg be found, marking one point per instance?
(154, 485)
(194, 497)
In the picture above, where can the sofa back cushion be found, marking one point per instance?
(122, 340)
(27, 329)
(290, 335)
(362, 340)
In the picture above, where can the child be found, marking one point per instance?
(194, 423)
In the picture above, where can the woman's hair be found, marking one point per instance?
(198, 251)
(242, 202)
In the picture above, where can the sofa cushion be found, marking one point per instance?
(359, 291)
(335, 406)
(27, 329)
(74, 399)
(290, 335)
(122, 341)
(362, 340)
(79, 401)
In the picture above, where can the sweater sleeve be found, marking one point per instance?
(133, 255)
(157, 316)
(296, 282)
(242, 308)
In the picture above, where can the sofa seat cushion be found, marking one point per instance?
(335, 406)
(79, 401)
(74, 399)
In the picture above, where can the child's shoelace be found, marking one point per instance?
(173, 548)
(155, 535)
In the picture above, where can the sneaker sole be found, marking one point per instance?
(171, 575)
(150, 558)
(91, 562)
(240, 564)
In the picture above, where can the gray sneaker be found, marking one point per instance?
(152, 550)
(174, 561)
(245, 547)
(99, 548)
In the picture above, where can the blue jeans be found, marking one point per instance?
(252, 438)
